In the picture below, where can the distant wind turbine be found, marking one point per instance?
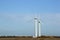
(37, 25)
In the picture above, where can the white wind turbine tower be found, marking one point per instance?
(37, 25)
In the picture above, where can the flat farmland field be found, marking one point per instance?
(29, 38)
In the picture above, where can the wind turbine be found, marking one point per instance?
(37, 25)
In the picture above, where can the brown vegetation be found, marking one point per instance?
(29, 38)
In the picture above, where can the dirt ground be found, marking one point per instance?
(29, 38)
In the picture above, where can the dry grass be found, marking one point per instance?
(30, 38)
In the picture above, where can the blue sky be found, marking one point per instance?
(17, 16)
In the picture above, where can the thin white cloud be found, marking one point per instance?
(18, 17)
(45, 18)
(50, 18)
(49, 21)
